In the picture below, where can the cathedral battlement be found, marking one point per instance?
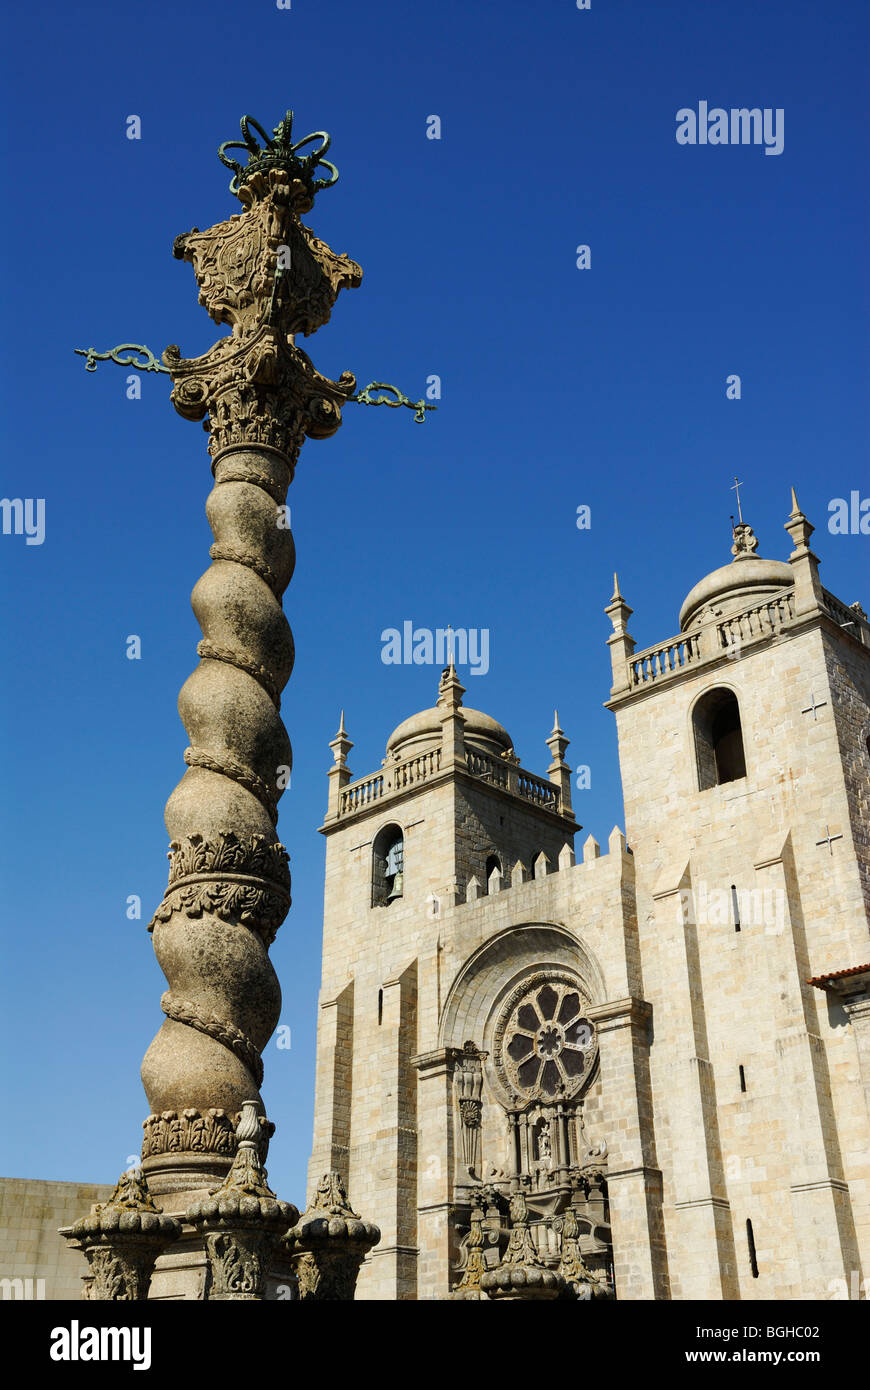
(529, 876)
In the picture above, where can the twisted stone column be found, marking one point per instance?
(267, 276)
(229, 884)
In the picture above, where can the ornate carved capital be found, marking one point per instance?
(329, 1243)
(258, 390)
(121, 1240)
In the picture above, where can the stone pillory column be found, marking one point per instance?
(267, 276)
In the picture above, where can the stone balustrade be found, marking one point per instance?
(395, 778)
(762, 620)
(536, 789)
(759, 621)
(361, 794)
(848, 618)
(665, 659)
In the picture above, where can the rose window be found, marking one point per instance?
(548, 1043)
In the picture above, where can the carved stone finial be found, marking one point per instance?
(121, 1240)
(329, 1243)
(521, 1273)
(450, 689)
(745, 540)
(242, 1221)
(341, 744)
(799, 529)
(618, 610)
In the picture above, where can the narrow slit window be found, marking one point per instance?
(750, 1241)
(735, 907)
(380, 1007)
(742, 1077)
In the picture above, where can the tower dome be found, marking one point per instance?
(422, 731)
(748, 579)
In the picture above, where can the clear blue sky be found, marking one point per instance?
(561, 387)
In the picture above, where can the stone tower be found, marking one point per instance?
(429, 861)
(743, 746)
(648, 1069)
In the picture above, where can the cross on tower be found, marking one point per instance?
(828, 840)
(735, 487)
(814, 706)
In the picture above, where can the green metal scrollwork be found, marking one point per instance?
(279, 152)
(365, 398)
(150, 363)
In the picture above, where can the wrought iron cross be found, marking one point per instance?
(813, 706)
(829, 839)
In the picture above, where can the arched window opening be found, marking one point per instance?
(388, 866)
(718, 739)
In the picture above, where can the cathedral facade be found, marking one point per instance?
(663, 1044)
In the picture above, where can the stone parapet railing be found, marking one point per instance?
(848, 618)
(665, 659)
(398, 777)
(761, 620)
(671, 658)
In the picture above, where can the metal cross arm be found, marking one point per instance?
(149, 363)
(114, 354)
